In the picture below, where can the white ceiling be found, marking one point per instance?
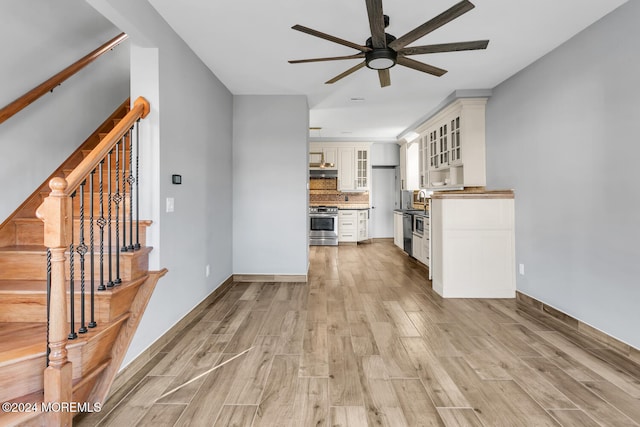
(247, 43)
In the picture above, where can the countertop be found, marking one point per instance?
(491, 194)
(416, 212)
(350, 206)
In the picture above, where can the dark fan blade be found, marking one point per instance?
(346, 73)
(330, 38)
(385, 78)
(449, 15)
(420, 66)
(376, 23)
(333, 58)
(445, 47)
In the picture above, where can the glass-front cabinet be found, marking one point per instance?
(362, 169)
(453, 140)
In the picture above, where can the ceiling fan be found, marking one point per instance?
(382, 51)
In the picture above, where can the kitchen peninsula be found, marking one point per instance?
(473, 244)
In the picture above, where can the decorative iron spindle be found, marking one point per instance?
(124, 194)
(101, 223)
(117, 198)
(92, 321)
(72, 297)
(109, 219)
(48, 300)
(130, 181)
(137, 245)
(82, 250)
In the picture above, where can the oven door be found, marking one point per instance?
(418, 225)
(323, 225)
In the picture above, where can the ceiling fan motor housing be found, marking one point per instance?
(381, 58)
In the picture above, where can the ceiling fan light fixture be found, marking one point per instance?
(381, 59)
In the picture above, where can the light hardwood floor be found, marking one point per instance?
(367, 342)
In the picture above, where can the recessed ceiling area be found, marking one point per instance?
(247, 43)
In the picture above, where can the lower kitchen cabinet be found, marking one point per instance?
(397, 230)
(363, 225)
(473, 245)
(353, 225)
(416, 247)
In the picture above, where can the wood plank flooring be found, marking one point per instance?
(368, 343)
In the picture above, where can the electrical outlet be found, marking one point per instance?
(170, 204)
(207, 271)
(521, 269)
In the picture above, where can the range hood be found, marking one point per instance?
(323, 173)
(316, 160)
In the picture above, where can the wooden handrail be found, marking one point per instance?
(139, 110)
(57, 213)
(31, 96)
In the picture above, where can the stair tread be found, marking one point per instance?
(40, 286)
(29, 249)
(146, 222)
(17, 418)
(23, 248)
(23, 341)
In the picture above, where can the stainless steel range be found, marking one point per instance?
(323, 225)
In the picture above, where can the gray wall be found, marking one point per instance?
(35, 46)
(564, 134)
(188, 132)
(270, 176)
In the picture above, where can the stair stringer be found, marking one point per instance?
(125, 336)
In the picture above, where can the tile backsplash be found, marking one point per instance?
(324, 192)
(337, 197)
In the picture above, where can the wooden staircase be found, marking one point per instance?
(94, 357)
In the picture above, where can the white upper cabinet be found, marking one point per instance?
(353, 168)
(452, 145)
(353, 162)
(346, 169)
(409, 165)
(318, 154)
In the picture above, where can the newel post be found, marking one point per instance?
(57, 214)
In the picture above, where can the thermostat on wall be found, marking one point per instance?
(176, 179)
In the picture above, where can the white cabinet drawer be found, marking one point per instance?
(345, 225)
(345, 236)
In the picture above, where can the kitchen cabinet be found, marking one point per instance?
(426, 245)
(363, 225)
(319, 153)
(352, 160)
(347, 225)
(409, 164)
(452, 145)
(353, 168)
(473, 245)
(397, 230)
(416, 247)
(353, 225)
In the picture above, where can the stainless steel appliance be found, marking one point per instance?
(418, 225)
(407, 233)
(406, 199)
(323, 225)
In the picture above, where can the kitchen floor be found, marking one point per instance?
(367, 342)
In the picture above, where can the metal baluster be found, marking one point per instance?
(92, 321)
(137, 245)
(110, 283)
(130, 181)
(124, 195)
(48, 300)
(101, 224)
(72, 297)
(82, 250)
(117, 198)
